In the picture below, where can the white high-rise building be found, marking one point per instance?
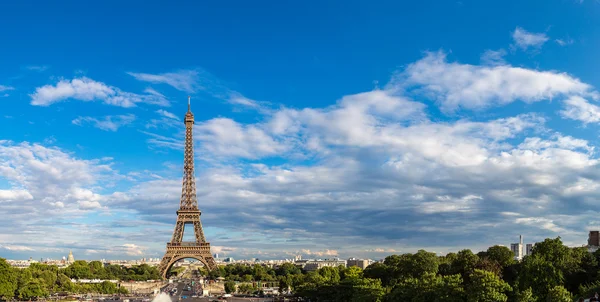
(517, 248)
(529, 248)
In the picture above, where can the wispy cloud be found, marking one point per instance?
(564, 42)
(578, 108)
(5, 88)
(196, 80)
(166, 113)
(525, 40)
(38, 68)
(86, 89)
(107, 123)
(456, 85)
(493, 57)
(183, 80)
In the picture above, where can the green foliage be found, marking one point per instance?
(501, 254)
(539, 274)
(464, 264)
(525, 296)
(229, 287)
(379, 271)
(288, 269)
(430, 287)
(559, 294)
(247, 288)
(352, 272)
(8, 280)
(33, 289)
(485, 286)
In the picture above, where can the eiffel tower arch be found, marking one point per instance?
(188, 214)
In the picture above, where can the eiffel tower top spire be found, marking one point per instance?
(188, 189)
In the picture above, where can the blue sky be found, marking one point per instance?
(351, 129)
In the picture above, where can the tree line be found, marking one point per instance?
(553, 272)
(41, 280)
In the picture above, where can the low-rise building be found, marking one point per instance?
(361, 263)
(313, 265)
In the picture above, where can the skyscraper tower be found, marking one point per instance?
(70, 258)
(188, 213)
(517, 248)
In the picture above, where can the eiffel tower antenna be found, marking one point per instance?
(188, 213)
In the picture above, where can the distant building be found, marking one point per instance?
(70, 259)
(529, 249)
(361, 263)
(313, 265)
(594, 238)
(517, 248)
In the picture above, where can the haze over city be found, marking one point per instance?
(338, 129)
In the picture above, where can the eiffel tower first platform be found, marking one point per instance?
(188, 214)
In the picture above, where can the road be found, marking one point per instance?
(181, 291)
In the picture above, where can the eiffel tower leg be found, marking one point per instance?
(179, 229)
(163, 267)
(199, 232)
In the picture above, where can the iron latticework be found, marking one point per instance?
(188, 213)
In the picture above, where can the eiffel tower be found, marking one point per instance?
(188, 214)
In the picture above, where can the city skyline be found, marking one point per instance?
(339, 130)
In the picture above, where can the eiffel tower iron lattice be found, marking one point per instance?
(188, 214)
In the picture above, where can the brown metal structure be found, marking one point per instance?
(188, 214)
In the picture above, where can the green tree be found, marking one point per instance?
(33, 289)
(559, 294)
(8, 280)
(486, 286)
(359, 290)
(330, 274)
(379, 271)
(525, 296)
(285, 282)
(501, 254)
(464, 264)
(352, 272)
(430, 287)
(539, 274)
(247, 278)
(229, 287)
(107, 287)
(246, 288)
(288, 269)
(64, 283)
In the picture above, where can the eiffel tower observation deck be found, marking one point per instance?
(188, 213)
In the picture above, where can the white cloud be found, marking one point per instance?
(5, 88)
(524, 39)
(564, 42)
(166, 114)
(85, 89)
(318, 253)
(89, 205)
(228, 138)
(18, 248)
(133, 249)
(38, 68)
(493, 57)
(445, 204)
(183, 80)
(238, 99)
(12, 195)
(456, 85)
(578, 108)
(541, 222)
(108, 123)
